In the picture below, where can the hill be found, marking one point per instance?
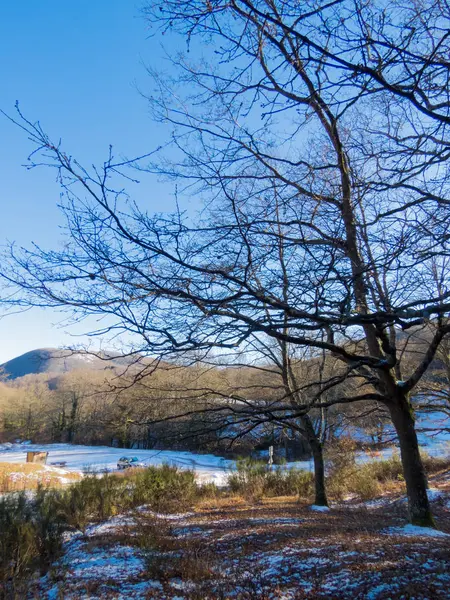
(57, 361)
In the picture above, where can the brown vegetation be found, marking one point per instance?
(224, 535)
(17, 477)
(231, 548)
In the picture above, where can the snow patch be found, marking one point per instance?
(318, 508)
(415, 530)
(434, 494)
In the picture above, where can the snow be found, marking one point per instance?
(432, 432)
(320, 508)
(89, 358)
(276, 563)
(45, 474)
(105, 565)
(110, 525)
(116, 568)
(434, 494)
(208, 468)
(275, 521)
(415, 530)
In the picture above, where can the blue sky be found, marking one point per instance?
(76, 67)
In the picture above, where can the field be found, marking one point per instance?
(209, 468)
(173, 534)
(228, 548)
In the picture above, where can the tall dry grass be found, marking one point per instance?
(18, 477)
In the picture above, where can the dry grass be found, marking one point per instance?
(18, 477)
(239, 541)
(228, 546)
(220, 502)
(231, 548)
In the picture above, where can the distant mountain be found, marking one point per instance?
(56, 362)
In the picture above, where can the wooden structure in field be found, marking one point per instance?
(37, 457)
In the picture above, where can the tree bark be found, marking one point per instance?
(319, 465)
(413, 470)
(73, 419)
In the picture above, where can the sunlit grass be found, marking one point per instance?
(18, 477)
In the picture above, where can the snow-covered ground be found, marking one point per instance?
(100, 458)
(271, 551)
(208, 468)
(433, 433)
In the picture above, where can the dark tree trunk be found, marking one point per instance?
(319, 466)
(73, 419)
(413, 470)
(319, 474)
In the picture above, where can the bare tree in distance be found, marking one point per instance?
(432, 395)
(323, 126)
(294, 384)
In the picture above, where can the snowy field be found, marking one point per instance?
(225, 548)
(103, 458)
(208, 467)
(433, 433)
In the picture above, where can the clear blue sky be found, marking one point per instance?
(75, 67)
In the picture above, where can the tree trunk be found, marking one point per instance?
(73, 419)
(319, 474)
(319, 466)
(413, 471)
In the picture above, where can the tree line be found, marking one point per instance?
(191, 407)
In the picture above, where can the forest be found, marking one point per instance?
(194, 406)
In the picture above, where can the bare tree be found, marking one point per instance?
(319, 130)
(432, 395)
(299, 376)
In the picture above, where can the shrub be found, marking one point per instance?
(49, 526)
(389, 469)
(366, 480)
(208, 491)
(364, 484)
(289, 482)
(305, 483)
(341, 455)
(94, 499)
(164, 488)
(248, 479)
(432, 464)
(254, 479)
(31, 529)
(341, 466)
(31, 537)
